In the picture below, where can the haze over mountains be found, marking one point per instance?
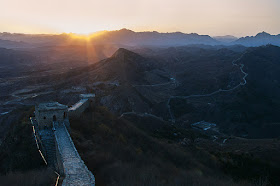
(127, 37)
(262, 38)
(226, 39)
(143, 81)
(170, 104)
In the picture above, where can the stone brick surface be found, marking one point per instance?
(75, 171)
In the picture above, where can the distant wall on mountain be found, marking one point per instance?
(76, 110)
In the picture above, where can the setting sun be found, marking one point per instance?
(87, 37)
(80, 36)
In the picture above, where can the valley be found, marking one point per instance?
(199, 107)
(150, 84)
(140, 93)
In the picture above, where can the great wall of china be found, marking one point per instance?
(54, 143)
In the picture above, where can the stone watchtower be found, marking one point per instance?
(57, 147)
(47, 113)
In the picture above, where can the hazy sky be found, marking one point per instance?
(213, 17)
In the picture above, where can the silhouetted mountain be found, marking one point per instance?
(263, 35)
(123, 66)
(260, 39)
(122, 53)
(120, 37)
(36, 39)
(128, 37)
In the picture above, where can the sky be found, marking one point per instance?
(211, 17)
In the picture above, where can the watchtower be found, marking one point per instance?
(47, 113)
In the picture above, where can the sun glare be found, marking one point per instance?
(87, 37)
(80, 36)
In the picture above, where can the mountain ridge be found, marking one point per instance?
(262, 38)
(129, 38)
(122, 52)
(122, 37)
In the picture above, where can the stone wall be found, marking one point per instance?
(69, 161)
(46, 118)
(79, 108)
(59, 163)
(37, 137)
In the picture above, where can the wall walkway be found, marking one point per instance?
(74, 168)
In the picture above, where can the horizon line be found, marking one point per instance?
(148, 31)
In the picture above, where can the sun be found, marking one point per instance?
(87, 37)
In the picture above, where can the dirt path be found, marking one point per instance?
(241, 66)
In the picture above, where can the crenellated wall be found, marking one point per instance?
(46, 113)
(55, 143)
(67, 161)
(76, 110)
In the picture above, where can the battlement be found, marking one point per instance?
(77, 109)
(50, 131)
(87, 96)
(50, 106)
(46, 113)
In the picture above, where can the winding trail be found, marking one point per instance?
(141, 114)
(224, 141)
(173, 81)
(4, 113)
(241, 66)
(243, 83)
(155, 85)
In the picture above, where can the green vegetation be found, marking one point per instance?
(247, 167)
(20, 161)
(143, 152)
(42, 177)
(119, 153)
(181, 107)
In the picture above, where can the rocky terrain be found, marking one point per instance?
(215, 105)
(181, 84)
(223, 92)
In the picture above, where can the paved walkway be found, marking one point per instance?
(75, 170)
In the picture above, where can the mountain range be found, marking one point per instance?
(147, 102)
(260, 39)
(129, 38)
